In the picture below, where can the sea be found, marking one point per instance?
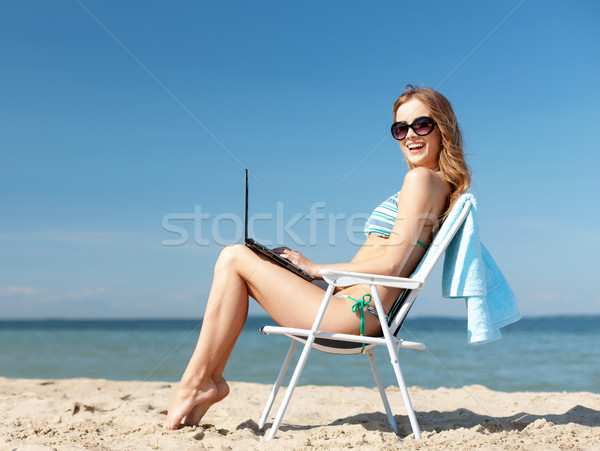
(559, 354)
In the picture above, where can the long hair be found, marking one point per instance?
(452, 163)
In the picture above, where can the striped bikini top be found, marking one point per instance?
(381, 221)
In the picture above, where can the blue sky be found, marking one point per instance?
(120, 117)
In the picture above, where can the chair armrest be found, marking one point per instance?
(346, 278)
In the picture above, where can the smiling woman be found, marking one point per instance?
(430, 139)
(433, 139)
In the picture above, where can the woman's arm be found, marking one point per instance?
(421, 200)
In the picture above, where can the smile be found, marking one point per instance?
(415, 147)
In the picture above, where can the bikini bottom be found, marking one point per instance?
(368, 308)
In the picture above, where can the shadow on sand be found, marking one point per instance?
(435, 421)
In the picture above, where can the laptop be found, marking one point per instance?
(252, 244)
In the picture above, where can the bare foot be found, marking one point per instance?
(187, 398)
(193, 418)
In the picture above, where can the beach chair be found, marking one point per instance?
(337, 343)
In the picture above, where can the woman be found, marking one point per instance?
(430, 139)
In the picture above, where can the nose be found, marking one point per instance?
(411, 133)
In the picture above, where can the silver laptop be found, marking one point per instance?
(257, 247)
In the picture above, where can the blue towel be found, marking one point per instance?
(471, 273)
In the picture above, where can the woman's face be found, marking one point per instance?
(419, 151)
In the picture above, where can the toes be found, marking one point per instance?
(172, 424)
(191, 404)
(193, 418)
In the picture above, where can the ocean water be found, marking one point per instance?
(536, 354)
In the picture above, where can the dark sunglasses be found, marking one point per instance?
(421, 126)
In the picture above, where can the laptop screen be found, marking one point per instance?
(246, 211)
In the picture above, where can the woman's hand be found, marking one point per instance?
(299, 260)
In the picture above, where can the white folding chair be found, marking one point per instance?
(336, 343)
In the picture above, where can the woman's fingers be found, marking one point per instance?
(286, 253)
(295, 257)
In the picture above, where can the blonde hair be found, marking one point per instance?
(452, 163)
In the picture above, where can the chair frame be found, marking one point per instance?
(337, 343)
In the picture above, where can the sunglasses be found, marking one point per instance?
(421, 126)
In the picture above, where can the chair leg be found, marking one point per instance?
(393, 352)
(290, 390)
(407, 403)
(278, 382)
(301, 361)
(386, 404)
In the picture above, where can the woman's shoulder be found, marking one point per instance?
(421, 176)
(426, 182)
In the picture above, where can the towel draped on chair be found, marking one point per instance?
(471, 273)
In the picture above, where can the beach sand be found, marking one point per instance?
(99, 414)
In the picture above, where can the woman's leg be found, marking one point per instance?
(226, 311)
(194, 417)
(287, 298)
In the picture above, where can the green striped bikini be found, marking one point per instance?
(381, 221)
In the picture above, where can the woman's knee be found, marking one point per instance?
(230, 256)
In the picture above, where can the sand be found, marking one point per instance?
(71, 414)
